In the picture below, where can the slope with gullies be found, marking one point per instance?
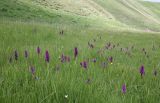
(132, 13)
(129, 14)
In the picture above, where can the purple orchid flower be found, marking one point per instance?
(84, 64)
(32, 70)
(75, 52)
(124, 89)
(111, 59)
(38, 50)
(142, 71)
(47, 57)
(65, 58)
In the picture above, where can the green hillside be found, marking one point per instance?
(125, 13)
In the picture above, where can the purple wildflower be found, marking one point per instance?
(16, 55)
(123, 88)
(62, 58)
(65, 58)
(111, 59)
(75, 52)
(38, 50)
(32, 70)
(84, 64)
(26, 54)
(142, 71)
(47, 56)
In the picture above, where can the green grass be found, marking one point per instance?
(17, 84)
(25, 27)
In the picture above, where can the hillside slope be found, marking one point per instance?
(99, 13)
(132, 13)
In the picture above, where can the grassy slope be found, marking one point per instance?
(115, 13)
(17, 84)
(79, 9)
(131, 13)
(154, 7)
(15, 9)
(111, 14)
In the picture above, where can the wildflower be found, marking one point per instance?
(66, 96)
(111, 60)
(32, 70)
(62, 58)
(16, 55)
(47, 56)
(142, 71)
(75, 52)
(38, 50)
(26, 54)
(65, 58)
(84, 64)
(123, 88)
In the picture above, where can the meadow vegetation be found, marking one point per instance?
(53, 56)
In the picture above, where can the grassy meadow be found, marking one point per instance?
(116, 61)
